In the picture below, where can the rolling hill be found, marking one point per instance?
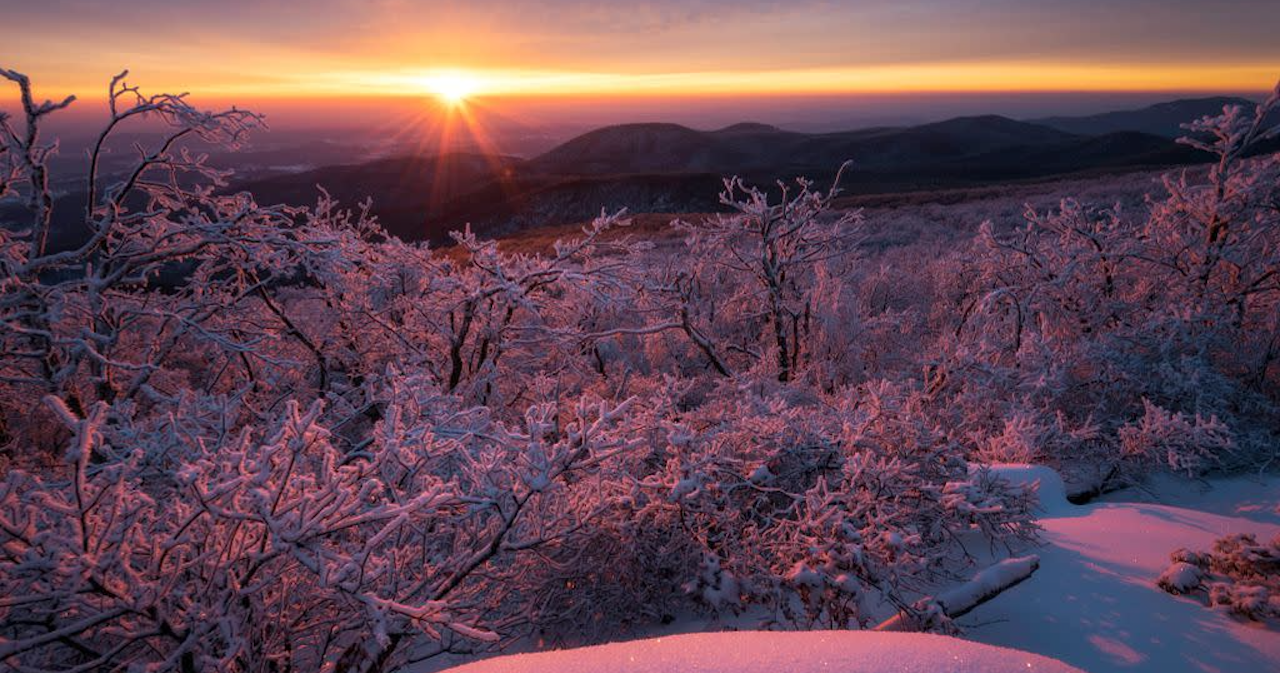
(1161, 119)
(753, 149)
(673, 168)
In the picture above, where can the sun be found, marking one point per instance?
(453, 88)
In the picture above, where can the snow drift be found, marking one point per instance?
(772, 652)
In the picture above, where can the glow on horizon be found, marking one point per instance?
(895, 79)
(650, 48)
(456, 84)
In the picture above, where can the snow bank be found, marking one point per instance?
(780, 652)
(1094, 602)
(1246, 496)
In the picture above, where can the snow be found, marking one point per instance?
(1094, 602)
(779, 652)
(988, 582)
(1246, 496)
(1048, 483)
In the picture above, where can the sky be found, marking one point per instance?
(605, 58)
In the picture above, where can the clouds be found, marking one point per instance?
(213, 41)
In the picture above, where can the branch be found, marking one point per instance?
(961, 600)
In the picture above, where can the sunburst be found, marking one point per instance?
(453, 88)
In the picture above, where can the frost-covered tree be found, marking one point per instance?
(278, 550)
(244, 487)
(758, 268)
(164, 266)
(1118, 328)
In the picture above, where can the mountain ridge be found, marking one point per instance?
(675, 168)
(1163, 119)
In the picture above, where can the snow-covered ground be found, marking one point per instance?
(1246, 497)
(780, 652)
(1094, 603)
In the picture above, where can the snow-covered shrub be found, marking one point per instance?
(1240, 575)
(175, 285)
(1132, 334)
(279, 549)
(268, 468)
(1029, 438)
(1180, 578)
(1187, 445)
(827, 514)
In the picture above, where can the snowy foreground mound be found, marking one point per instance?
(1094, 601)
(780, 652)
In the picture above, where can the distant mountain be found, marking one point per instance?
(956, 148)
(1109, 151)
(920, 147)
(498, 209)
(1163, 119)
(746, 128)
(640, 148)
(403, 189)
(673, 168)
(991, 131)
(758, 148)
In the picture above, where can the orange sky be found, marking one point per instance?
(273, 48)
